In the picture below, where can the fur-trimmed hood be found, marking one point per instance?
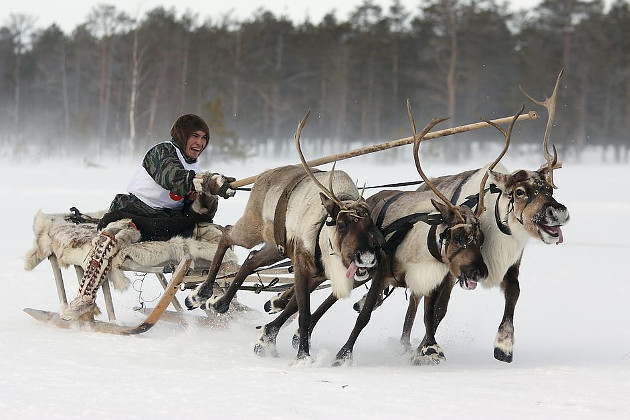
(183, 128)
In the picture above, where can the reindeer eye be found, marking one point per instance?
(520, 193)
(341, 226)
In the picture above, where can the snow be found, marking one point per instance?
(572, 351)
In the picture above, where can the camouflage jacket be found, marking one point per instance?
(163, 165)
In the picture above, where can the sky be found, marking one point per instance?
(69, 13)
(572, 350)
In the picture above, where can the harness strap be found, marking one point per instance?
(280, 214)
(458, 190)
(472, 201)
(318, 250)
(381, 214)
(432, 243)
(504, 228)
(399, 228)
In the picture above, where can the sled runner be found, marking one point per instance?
(66, 243)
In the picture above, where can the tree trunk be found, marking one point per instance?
(184, 75)
(16, 91)
(236, 75)
(451, 77)
(156, 96)
(64, 91)
(343, 93)
(276, 109)
(134, 93)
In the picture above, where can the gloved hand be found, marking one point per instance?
(217, 184)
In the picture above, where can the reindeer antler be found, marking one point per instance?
(550, 105)
(307, 169)
(508, 135)
(416, 156)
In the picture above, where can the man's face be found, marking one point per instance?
(195, 144)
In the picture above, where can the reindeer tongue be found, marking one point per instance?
(560, 238)
(555, 230)
(351, 270)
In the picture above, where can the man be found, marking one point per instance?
(163, 200)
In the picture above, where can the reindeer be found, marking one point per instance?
(457, 252)
(327, 235)
(524, 208)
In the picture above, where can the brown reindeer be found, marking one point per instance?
(524, 208)
(422, 256)
(327, 235)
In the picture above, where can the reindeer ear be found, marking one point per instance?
(444, 210)
(544, 171)
(331, 207)
(502, 181)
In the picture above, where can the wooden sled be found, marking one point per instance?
(66, 243)
(272, 279)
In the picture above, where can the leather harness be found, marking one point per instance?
(280, 218)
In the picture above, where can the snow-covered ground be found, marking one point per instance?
(572, 352)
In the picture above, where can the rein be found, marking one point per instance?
(397, 184)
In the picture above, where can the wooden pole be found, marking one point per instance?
(531, 115)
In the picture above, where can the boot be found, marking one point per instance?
(105, 246)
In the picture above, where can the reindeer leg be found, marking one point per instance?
(279, 302)
(504, 341)
(198, 296)
(316, 316)
(410, 316)
(268, 254)
(266, 344)
(435, 306)
(303, 299)
(304, 269)
(345, 353)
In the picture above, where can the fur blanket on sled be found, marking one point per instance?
(71, 244)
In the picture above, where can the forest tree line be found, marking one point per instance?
(117, 83)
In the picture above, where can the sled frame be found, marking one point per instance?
(274, 279)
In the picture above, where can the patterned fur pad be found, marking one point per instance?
(71, 244)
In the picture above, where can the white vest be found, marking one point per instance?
(153, 194)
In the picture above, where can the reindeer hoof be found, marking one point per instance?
(259, 350)
(428, 355)
(419, 360)
(271, 307)
(303, 361)
(264, 349)
(343, 358)
(220, 306)
(295, 340)
(267, 306)
(342, 362)
(503, 356)
(193, 301)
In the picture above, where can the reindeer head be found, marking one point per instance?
(461, 244)
(353, 235)
(530, 203)
(527, 196)
(462, 237)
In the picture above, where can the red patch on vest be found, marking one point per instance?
(174, 197)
